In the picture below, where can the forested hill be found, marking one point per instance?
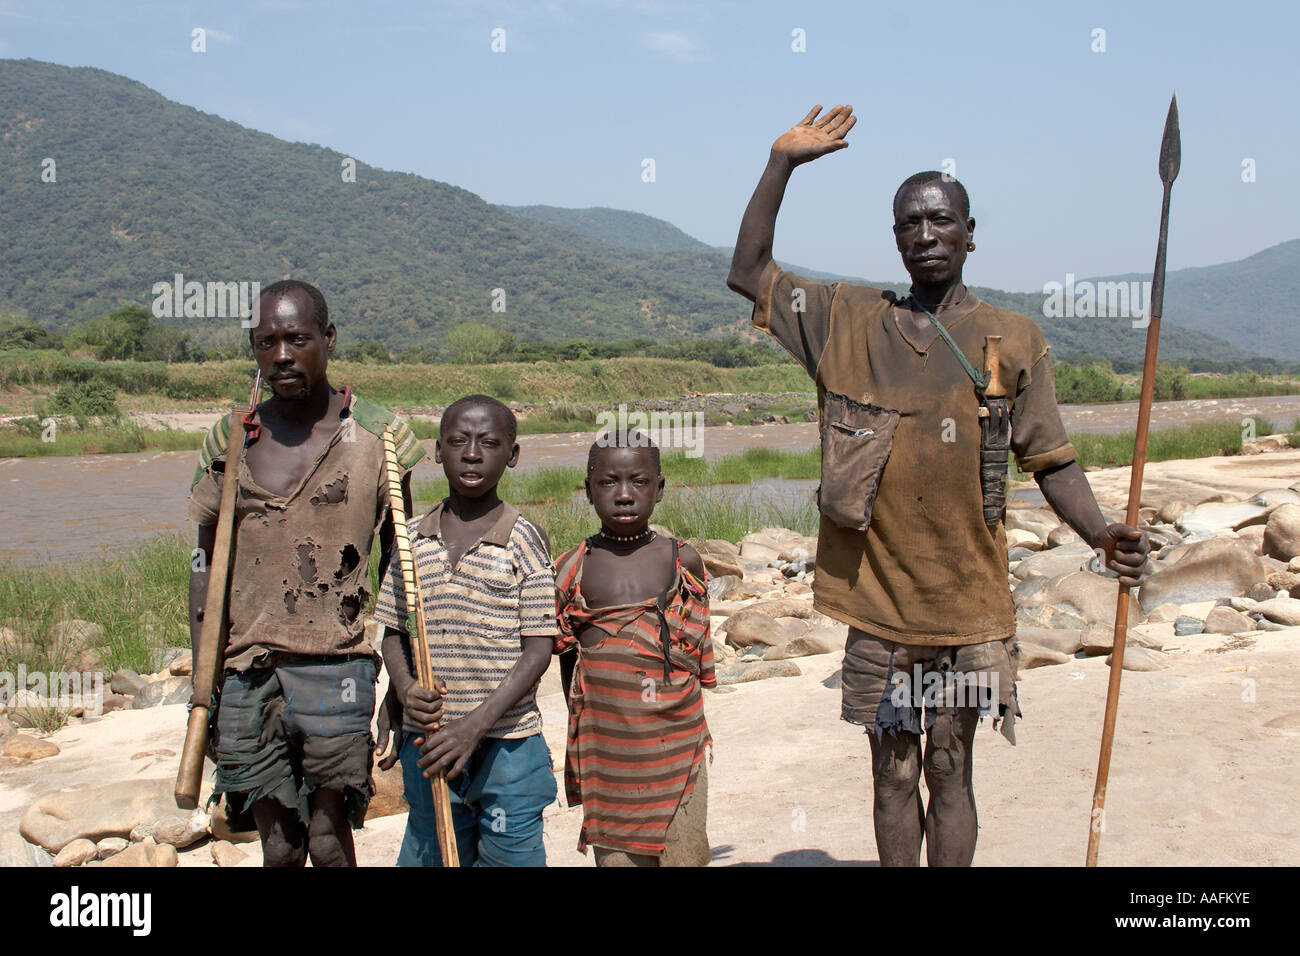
(146, 188)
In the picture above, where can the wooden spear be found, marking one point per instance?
(444, 823)
(1170, 157)
(212, 637)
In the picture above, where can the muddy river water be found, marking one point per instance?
(68, 509)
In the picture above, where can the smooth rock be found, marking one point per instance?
(1224, 620)
(1165, 614)
(1062, 535)
(760, 670)
(1242, 604)
(56, 819)
(1098, 639)
(720, 585)
(835, 681)
(1215, 517)
(1282, 534)
(753, 551)
(1018, 554)
(751, 627)
(219, 826)
(169, 690)
(114, 702)
(1073, 601)
(1264, 624)
(76, 853)
(817, 640)
(148, 853)
(719, 546)
(1034, 655)
(1172, 510)
(126, 681)
(32, 748)
(1294, 564)
(1143, 659)
(178, 829)
(1285, 611)
(390, 793)
(1066, 641)
(111, 846)
(1055, 561)
(1023, 538)
(723, 565)
(1040, 521)
(1261, 592)
(1283, 580)
(1253, 537)
(1186, 626)
(181, 666)
(225, 853)
(1208, 570)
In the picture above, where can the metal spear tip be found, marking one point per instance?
(1171, 152)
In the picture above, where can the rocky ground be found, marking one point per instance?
(1198, 775)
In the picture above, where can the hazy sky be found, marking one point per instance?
(1056, 143)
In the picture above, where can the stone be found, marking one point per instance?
(57, 818)
(30, 748)
(720, 585)
(1284, 611)
(1264, 624)
(161, 659)
(1066, 641)
(816, 640)
(1062, 535)
(1040, 521)
(1214, 517)
(1028, 587)
(1261, 592)
(1224, 620)
(1165, 614)
(176, 829)
(111, 846)
(720, 546)
(1097, 639)
(226, 854)
(114, 702)
(1073, 601)
(1208, 570)
(799, 549)
(753, 551)
(77, 645)
(1186, 626)
(169, 690)
(1055, 562)
(835, 681)
(1242, 604)
(1282, 534)
(390, 794)
(1143, 659)
(76, 853)
(751, 627)
(1294, 564)
(741, 673)
(1033, 655)
(126, 681)
(184, 666)
(13, 645)
(1018, 554)
(1023, 538)
(1253, 537)
(1172, 510)
(148, 853)
(723, 565)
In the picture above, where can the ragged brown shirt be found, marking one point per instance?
(927, 570)
(300, 579)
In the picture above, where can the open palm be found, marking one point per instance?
(812, 137)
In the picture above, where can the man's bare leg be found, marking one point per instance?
(951, 824)
(284, 838)
(898, 813)
(329, 834)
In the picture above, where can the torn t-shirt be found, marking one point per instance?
(300, 579)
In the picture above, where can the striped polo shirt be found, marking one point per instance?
(501, 590)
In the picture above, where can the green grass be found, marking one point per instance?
(25, 440)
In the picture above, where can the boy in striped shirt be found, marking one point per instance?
(636, 606)
(488, 593)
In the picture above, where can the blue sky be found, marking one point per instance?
(1056, 143)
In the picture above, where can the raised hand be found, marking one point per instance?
(812, 137)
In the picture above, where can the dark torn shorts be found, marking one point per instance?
(296, 725)
(887, 686)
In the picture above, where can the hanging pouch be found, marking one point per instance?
(856, 440)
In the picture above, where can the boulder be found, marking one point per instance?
(57, 818)
(178, 829)
(748, 590)
(1261, 592)
(1186, 626)
(1040, 521)
(169, 690)
(1282, 534)
(723, 565)
(1073, 601)
(1242, 604)
(147, 853)
(30, 748)
(76, 853)
(816, 640)
(1033, 655)
(226, 854)
(1253, 538)
(126, 681)
(1055, 562)
(719, 546)
(13, 645)
(1143, 659)
(1215, 517)
(751, 627)
(1224, 620)
(1294, 564)
(111, 846)
(1098, 639)
(390, 793)
(184, 666)
(798, 549)
(1062, 535)
(77, 645)
(162, 659)
(1066, 641)
(1165, 614)
(1023, 538)
(114, 702)
(753, 551)
(741, 673)
(1172, 510)
(219, 826)
(1283, 581)
(1208, 570)
(1284, 611)
(721, 584)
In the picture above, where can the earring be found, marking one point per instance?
(970, 246)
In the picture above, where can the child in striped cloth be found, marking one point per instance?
(635, 605)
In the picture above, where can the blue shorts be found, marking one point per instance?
(496, 805)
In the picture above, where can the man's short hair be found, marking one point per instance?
(622, 438)
(486, 401)
(319, 309)
(933, 175)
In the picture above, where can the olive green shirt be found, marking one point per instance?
(927, 570)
